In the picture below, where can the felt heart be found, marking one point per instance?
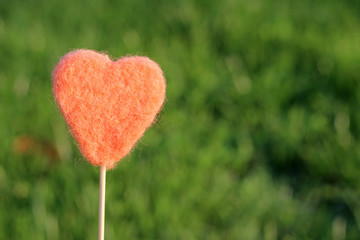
(107, 104)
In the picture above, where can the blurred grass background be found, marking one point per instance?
(259, 137)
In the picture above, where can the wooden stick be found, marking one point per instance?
(102, 203)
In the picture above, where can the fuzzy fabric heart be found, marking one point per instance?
(107, 104)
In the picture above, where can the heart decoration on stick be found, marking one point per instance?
(107, 105)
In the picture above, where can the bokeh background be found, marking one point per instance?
(259, 137)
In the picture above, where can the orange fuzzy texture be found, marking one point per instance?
(107, 104)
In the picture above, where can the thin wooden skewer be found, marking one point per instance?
(102, 203)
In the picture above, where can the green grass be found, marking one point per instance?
(259, 137)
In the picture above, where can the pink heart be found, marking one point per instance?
(107, 104)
